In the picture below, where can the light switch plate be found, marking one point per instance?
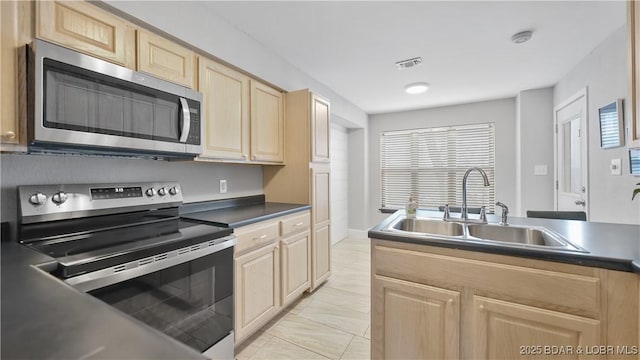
(223, 186)
(540, 170)
(616, 166)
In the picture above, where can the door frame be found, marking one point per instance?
(584, 140)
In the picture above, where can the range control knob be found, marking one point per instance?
(150, 192)
(174, 191)
(59, 198)
(38, 199)
(162, 191)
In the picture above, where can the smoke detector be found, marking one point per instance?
(409, 63)
(522, 37)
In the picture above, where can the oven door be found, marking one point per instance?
(186, 294)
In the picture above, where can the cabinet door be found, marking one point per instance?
(501, 328)
(414, 321)
(320, 129)
(320, 255)
(226, 111)
(267, 124)
(15, 22)
(296, 266)
(633, 22)
(84, 27)
(257, 289)
(165, 59)
(320, 221)
(320, 194)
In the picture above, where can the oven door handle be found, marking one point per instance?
(120, 273)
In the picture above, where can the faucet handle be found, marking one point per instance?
(447, 215)
(483, 215)
(505, 213)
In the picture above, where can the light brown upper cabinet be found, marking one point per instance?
(165, 59)
(86, 28)
(320, 129)
(243, 118)
(633, 24)
(267, 123)
(15, 32)
(226, 111)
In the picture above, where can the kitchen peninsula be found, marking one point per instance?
(446, 298)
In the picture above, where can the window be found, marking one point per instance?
(430, 164)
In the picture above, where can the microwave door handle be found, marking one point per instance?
(186, 120)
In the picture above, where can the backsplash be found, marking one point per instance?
(199, 180)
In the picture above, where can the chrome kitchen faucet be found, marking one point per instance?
(464, 216)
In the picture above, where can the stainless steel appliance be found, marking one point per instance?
(126, 245)
(80, 104)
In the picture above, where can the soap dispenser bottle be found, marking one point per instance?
(412, 207)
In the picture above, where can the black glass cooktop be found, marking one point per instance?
(81, 250)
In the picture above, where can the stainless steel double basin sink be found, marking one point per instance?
(531, 237)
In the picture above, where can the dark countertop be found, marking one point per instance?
(610, 246)
(44, 318)
(234, 213)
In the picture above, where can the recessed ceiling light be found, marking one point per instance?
(522, 37)
(416, 88)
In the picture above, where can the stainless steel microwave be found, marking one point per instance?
(80, 104)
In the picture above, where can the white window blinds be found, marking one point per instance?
(430, 164)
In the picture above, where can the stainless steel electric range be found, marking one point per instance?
(126, 245)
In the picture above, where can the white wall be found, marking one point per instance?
(359, 195)
(200, 27)
(199, 180)
(501, 112)
(604, 73)
(339, 182)
(534, 147)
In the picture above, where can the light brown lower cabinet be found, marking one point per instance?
(295, 255)
(321, 224)
(438, 303)
(507, 330)
(418, 322)
(272, 265)
(257, 291)
(321, 250)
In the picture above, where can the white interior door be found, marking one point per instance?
(572, 190)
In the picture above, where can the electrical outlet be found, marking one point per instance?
(223, 186)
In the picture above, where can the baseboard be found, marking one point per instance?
(357, 234)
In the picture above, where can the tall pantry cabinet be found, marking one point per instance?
(305, 178)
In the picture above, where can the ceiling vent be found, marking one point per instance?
(409, 63)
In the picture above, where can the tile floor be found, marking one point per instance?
(331, 323)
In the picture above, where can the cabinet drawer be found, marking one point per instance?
(295, 223)
(255, 236)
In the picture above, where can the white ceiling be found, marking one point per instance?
(468, 56)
